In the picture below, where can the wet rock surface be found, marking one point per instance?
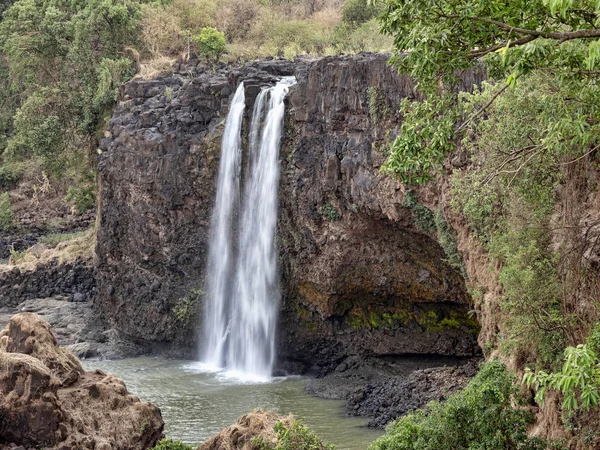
(384, 389)
(48, 401)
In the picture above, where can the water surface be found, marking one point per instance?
(196, 405)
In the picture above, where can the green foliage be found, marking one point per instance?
(169, 444)
(295, 437)
(7, 218)
(423, 217)
(594, 339)
(507, 196)
(435, 223)
(426, 137)
(365, 37)
(83, 197)
(481, 416)
(17, 256)
(186, 309)
(448, 242)
(330, 212)
(378, 107)
(357, 12)
(578, 380)
(10, 174)
(65, 61)
(302, 34)
(532, 292)
(211, 43)
(514, 39)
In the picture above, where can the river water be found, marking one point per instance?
(196, 405)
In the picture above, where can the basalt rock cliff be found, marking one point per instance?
(360, 276)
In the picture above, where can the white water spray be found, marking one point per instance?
(241, 316)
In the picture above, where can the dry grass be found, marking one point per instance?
(253, 29)
(79, 247)
(161, 65)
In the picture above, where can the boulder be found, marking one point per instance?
(48, 401)
(255, 425)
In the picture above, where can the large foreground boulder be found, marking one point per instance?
(263, 430)
(48, 401)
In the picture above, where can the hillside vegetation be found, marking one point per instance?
(527, 190)
(61, 64)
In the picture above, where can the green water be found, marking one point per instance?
(196, 405)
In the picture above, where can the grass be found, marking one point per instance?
(53, 239)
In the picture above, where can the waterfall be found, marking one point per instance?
(221, 257)
(241, 314)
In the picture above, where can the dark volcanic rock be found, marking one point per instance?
(389, 399)
(358, 277)
(158, 171)
(74, 279)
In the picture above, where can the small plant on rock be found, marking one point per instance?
(169, 444)
(331, 212)
(294, 437)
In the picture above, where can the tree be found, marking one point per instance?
(65, 61)
(211, 43)
(437, 41)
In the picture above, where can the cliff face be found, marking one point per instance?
(359, 277)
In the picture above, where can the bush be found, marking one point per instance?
(169, 444)
(357, 12)
(83, 197)
(211, 43)
(578, 380)
(9, 175)
(296, 437)
(276, 34)
(481, 416)
(7, 218)
(235, 18)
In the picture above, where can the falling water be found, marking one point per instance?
(242, 309)
(221, 257)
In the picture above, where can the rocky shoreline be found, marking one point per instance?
(384, 389)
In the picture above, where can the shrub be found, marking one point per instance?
(161, 32)
(295, 437)
(423, 217)
(9, 175)
(481, 416)
(235, 18)
(357, 12)
(578, 380)
(83, 197)
(186, 309)
(276, 34)
(7, 218)
(169, 444)
(211, 43)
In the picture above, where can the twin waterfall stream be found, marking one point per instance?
(243, 293)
